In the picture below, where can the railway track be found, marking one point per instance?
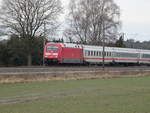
(51, 69)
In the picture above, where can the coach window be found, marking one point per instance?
(110, 54)
(106, 54)
(146, 56)
(88, 53)
(91, 53)
(101, 54)
(85, 53)
(94, 53)
(97, 53)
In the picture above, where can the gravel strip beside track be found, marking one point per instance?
(65, 69)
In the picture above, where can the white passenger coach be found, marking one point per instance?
(94, 54)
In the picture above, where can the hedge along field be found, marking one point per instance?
(115, 95)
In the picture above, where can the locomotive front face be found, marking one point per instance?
(51, 52)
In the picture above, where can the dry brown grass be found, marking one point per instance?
(31, 77)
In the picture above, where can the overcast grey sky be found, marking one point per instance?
(135, 17)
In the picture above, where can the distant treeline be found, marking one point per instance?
(137, 44)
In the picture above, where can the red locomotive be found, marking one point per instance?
(63, 53)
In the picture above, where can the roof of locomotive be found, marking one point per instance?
(67, 45)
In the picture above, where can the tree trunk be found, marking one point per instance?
(29, 59)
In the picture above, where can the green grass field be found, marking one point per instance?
(116, 95)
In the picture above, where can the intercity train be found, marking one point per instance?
(68, 53)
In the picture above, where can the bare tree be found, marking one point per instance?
(26, 19)
(86, 19)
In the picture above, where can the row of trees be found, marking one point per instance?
(88, 22)
(91, 20)
(14, 51)
(130, 43)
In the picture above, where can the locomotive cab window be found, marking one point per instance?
(52, 48)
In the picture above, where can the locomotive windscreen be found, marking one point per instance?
(52, 48)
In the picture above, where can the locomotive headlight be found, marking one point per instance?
(56, 54)
(48, 54)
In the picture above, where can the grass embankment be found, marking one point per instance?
(115, 95)
(56, 76)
